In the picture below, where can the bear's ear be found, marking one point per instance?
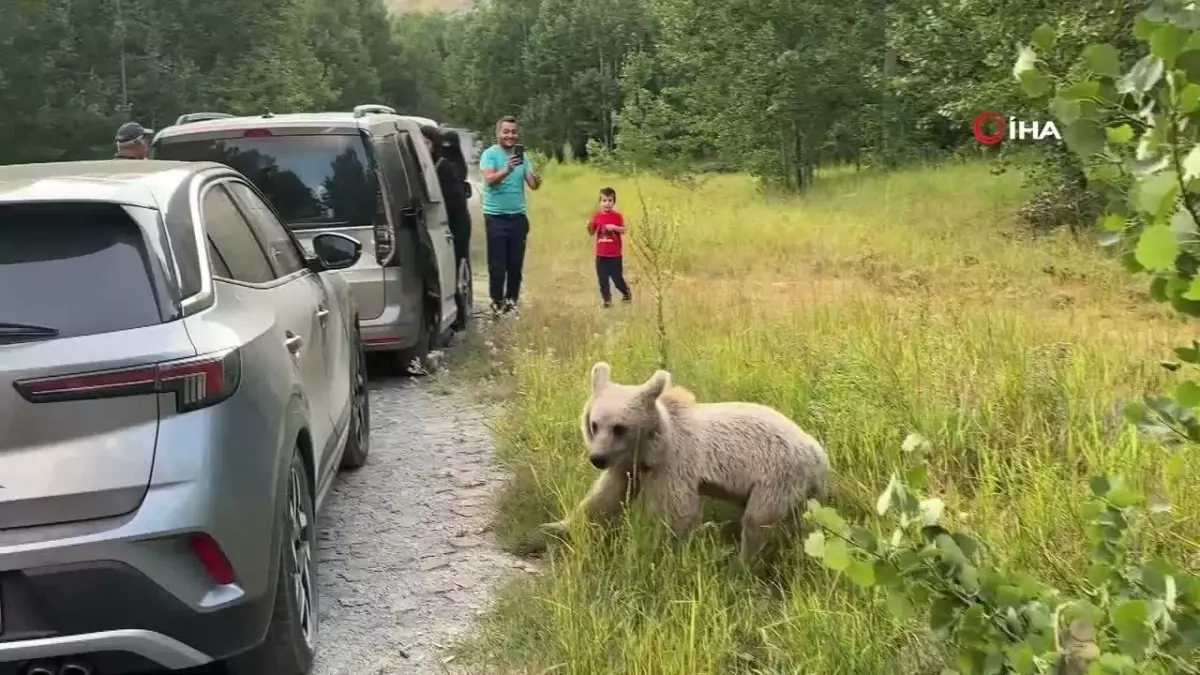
(600, 376)
(656, 385)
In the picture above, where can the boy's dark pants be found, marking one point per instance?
(611, 268)
(506, 237)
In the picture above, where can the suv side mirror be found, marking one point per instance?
(468, 188)
(336, 251)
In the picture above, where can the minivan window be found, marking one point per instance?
(73, 269)
(313, 181)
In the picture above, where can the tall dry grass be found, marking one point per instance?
(876, 306)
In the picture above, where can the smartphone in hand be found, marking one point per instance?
(519, 151)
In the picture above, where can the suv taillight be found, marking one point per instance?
(197, 382)
(385, 239)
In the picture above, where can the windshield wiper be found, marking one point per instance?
(15, 332)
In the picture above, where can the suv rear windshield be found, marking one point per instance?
(68, 270)
(313, 181)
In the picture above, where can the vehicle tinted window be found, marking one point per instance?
(230, 234)
(274, 236)
(388, 155)
(219, 268)
(313, 181)
(412, 162)
(78, 269)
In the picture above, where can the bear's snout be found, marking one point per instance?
(598, 461)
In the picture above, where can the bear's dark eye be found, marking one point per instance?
(619, 430)
(594, 428)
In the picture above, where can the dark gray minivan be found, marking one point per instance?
(367, 174)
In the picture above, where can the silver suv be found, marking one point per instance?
(367, 174)
(179, 384)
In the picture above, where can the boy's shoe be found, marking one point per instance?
(510, 306)
(607, 304)
(628, 297)
(497, 309)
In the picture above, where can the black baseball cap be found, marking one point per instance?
(131, 131)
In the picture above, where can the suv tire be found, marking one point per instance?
(291, 642)
(358, 445)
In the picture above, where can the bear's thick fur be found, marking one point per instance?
(656, 440)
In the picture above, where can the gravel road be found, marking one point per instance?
(406, 563)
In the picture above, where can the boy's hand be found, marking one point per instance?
(514, 161)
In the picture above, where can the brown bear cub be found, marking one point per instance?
(656, 440)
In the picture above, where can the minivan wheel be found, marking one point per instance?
(291, 642)
(464, 295)
(358, 445)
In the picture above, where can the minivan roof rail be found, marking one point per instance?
(201, 116)
(372, 108)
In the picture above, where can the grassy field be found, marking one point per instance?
(876, 306)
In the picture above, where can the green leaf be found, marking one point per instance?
(951, 553)
(1143, 76)
(1168, 42)
(1188, 393)
(1065, 110)
(814, 545)
(941, 615)
(1157, 248)
(1084, 137)
(968, 546)
(917, 477)
(861, 572)
(1123, 496)
(1130, 619)
(1189, 98)
(863, 538)
(899, 604)
(1113, 222)
(1103, 59)
(1034, 83)
(837, 556)
(828, 518)
(1100, 486)
(1155, 194)
(1044, 37)
(1144, 28)
(1182, 223)
(1080, 90)
(1119, 135)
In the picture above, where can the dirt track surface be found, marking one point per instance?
(406, 563)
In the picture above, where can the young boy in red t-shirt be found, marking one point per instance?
(607, 226)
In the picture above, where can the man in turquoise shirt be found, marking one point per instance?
(506, 225)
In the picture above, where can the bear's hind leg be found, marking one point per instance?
(764, 508)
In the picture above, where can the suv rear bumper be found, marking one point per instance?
(113, 615)
(129, 593)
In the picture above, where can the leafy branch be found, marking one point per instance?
(1124, 616)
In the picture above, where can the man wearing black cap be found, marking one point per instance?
(133, 141)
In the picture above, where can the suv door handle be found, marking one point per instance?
(322, 315)
(293, 343)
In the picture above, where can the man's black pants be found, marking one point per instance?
(611, 268)
(506, 237)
